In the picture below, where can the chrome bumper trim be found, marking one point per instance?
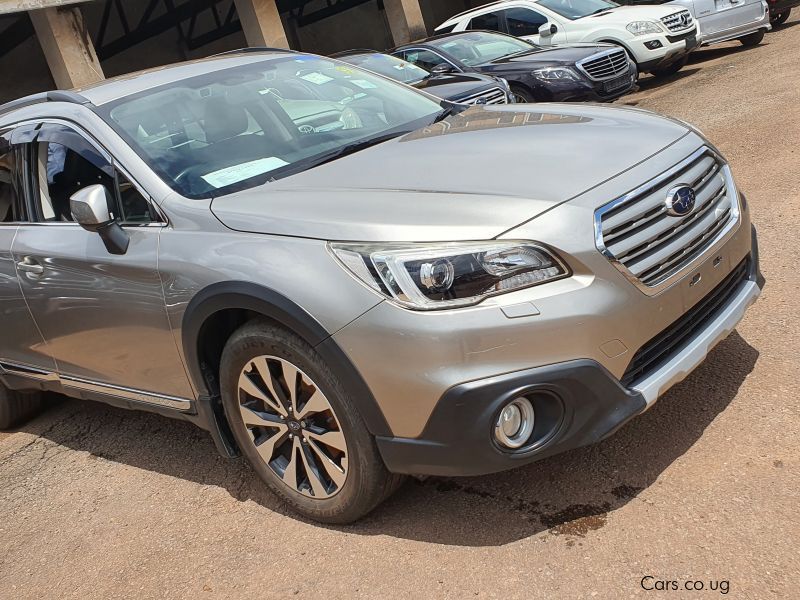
(698, 348)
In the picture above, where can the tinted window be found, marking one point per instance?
(240, 127)
(524, 21)
(478, 47)
(11, 194)
(490, 21)
(424, 59)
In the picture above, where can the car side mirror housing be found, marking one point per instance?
(89, 208)
(548, 29)
(442, 69)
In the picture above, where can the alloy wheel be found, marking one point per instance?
(293, 427)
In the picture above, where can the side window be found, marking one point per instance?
(490, 21)
(12, 205)
(524, 21)
(424, 58)
(64, 163)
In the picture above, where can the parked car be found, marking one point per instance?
(779, 10)
(658, 38)
(432, 288)
(724, 20)
(598, 72)
(461, 87)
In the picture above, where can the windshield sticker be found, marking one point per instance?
(237, 173)
(316, 78)
(363, 84)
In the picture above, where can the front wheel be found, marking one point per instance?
(754, 39)
(298, 428)
(521, 95)
(17, 407)
(671, 69)
(780, 18)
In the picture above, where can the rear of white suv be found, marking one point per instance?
(658, 38)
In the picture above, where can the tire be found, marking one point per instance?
(671, 69)
(18, 407)
(320, 457)
(780, 18)
(754, 39)
(521, 95)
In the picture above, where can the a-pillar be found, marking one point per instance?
(261, 23)
(67, 46)
(405, 20)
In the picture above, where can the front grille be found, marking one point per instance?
(678, 21)
(662, 348)
(651, 246)
(606, 65)
(492, 96)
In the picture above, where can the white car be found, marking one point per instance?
(723, 20)
(657, 38)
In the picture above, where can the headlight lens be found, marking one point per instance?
(436, 276)
(643, 27)
(556, 74)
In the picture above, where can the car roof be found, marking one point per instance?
(442, 36)
(355, 52)
(129, 84)
(472, 10)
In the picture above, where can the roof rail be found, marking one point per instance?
(253, 49)
(354, 51)
(471, 10)
(52, 96)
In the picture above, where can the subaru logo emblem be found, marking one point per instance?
(680, 201)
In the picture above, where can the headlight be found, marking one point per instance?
(556, 74)
(436, 276)
(644, 27)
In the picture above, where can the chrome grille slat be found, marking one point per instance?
(652, 246)
(492, 96)
(675, 21)
(605, 65)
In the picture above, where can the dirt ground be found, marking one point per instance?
(100, 503)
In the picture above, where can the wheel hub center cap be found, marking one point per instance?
(294, 426)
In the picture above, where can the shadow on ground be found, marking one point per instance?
(569, 494)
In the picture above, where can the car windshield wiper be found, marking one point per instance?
(448, 111)
(598, 12)
(352, 149)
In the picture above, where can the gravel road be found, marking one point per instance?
(97, 502)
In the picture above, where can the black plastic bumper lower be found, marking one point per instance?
(584, 403)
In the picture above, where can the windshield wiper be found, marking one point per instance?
(353, 148)
(599, 11)
(449, 111)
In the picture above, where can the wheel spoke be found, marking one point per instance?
(290, 474)
(266, 449)
(246, 384)
(335, 472)
(290, 377)
(317, 403)
(254, 419)
(314, 476)
(334, 439)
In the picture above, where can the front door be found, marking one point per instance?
(103, 316)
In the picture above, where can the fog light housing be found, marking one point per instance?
(515, 423)
(653, 44)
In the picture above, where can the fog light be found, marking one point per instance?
(515, 423)
(653, 44)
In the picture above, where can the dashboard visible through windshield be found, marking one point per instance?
(240, 127)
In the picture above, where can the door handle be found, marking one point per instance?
(28, 265)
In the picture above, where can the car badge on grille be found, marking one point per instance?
(680, 201)
(684, 19)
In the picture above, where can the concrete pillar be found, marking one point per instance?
(67, 46)
(261, 23)
(405, 20)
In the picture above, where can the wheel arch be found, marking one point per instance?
(218, 310)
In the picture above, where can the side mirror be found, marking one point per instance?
(548, 29)
(89, 208)
(442, 69)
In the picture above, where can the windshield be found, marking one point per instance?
(480, 47)
(388, 66)
(577, 9)
(243, 126)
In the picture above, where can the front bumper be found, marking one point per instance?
(585, 90)
(674, 48)
(577, 402)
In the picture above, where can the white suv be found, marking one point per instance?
(657, 38)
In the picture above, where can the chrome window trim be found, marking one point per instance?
(608, 52)
(722, 236)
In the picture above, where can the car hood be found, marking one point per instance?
(562, 54)
(456, 85)
(622, 15)
(472, 176)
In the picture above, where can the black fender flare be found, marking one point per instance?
(274, 305)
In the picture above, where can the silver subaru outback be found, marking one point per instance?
(347, 280)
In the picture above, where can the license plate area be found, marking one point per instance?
(616, 83)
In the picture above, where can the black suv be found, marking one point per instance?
(595, 72)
